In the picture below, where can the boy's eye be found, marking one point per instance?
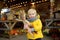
(32, 14)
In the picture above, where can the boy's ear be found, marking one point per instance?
(36, 14)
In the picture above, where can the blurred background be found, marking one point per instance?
(48, 10)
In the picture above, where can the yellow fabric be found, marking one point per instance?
(38, 16)
(37, 27)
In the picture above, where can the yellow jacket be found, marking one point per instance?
(37, 27)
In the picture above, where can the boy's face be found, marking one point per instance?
(31, 15)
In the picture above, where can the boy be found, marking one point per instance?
(35, 25)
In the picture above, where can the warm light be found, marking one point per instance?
(33, 3)
(13, 0)
(34, 0)
(51, 0)
(45, 0)
(26, 2)
(20, 6)
(25, 5)
(16, 4)
(21, 3)
(37, 2)
(8, 1)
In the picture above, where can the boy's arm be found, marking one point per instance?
(38, 25)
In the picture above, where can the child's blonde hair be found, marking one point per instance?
(32, 11)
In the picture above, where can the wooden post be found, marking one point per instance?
(51, 8)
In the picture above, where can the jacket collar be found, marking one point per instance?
(32, 19)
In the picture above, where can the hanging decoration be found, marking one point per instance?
(23, 2)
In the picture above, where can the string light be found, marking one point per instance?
(8, 1)
(45, 0)
(20, 6)
(21, 3)
(34, 0)
(26, 2)
(25, 5)
(33, 3)
(16, 4)
(13, 0)
(39, 1)
(31, 0)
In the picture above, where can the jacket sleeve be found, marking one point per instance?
(38, 25)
